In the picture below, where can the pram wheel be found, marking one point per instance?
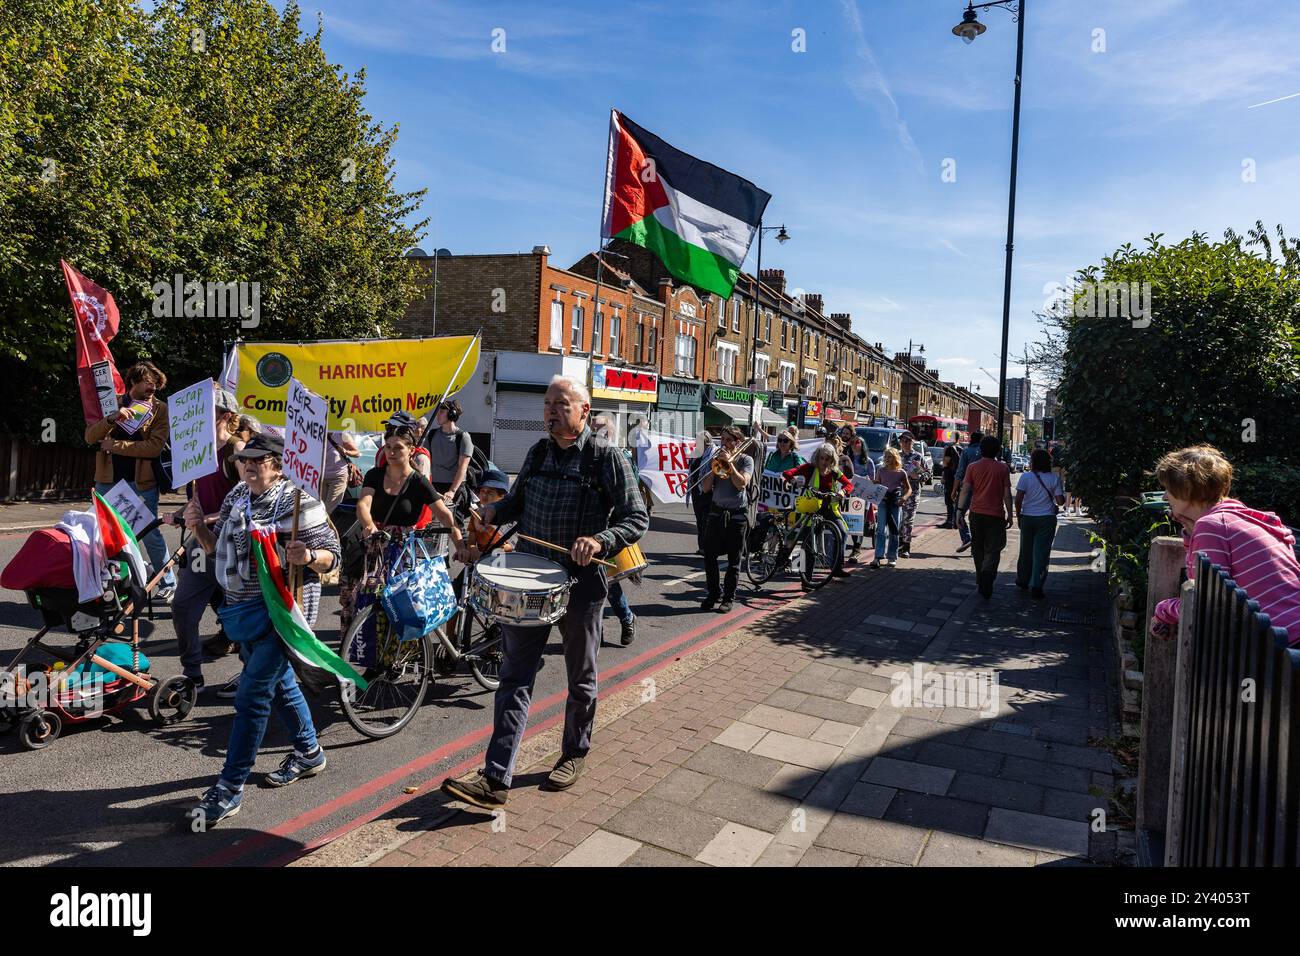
(172, 700)
(40, 729)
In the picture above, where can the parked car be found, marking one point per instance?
(877, 439)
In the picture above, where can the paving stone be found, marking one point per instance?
(951, 601)
(996, 791)
(939, 753)
(833, 732)
(867, 800)
(825, 856)
(796, 750)
(892, 623)
(949, 849)
(938, 615)
(793, 781)
(735, 845)
(1091, 758)
(911, 726)
(879, 839)
(778, 853)
(1006, 727)
(729, 764)
(906, 775)
(1046, 774)
(786, 721)
(846, 712)
(760, 809)
(866, 697)
(786, 699)
(671, 826)
(902, 748)
(740, 736)
(654, 856)
(938, 813)
(600, 849)
(1073, 806)
(1034, 831)
(681, 786)
(835, 690)
(1008, 744)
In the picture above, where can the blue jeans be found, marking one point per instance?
(154, 545)
(267, 681)
(887, 516)
(618, 601)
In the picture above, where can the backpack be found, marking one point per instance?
(478, 463)
(587, 468)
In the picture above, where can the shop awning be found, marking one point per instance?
(737, 414)
(772, 418)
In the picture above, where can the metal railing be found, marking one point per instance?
(1234, 789)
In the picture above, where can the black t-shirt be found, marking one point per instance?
(406, 512)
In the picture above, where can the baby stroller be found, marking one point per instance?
(103, 671)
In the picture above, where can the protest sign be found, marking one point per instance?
(141, 413)
(364, 381)
(304, 438)
(102, 374)
(194, 433)
(868, 490)
(774, 493)
(663, 461)
(855, 515)
(129, 505)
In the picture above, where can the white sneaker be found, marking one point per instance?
(891, 563)
(231, 689)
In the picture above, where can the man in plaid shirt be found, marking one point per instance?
(550, 502)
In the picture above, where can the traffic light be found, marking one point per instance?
(1049, 429)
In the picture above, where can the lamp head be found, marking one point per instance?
(970, 27)
(783, 236)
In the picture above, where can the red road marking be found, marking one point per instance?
(223, 857)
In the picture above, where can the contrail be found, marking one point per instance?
(1278, 100)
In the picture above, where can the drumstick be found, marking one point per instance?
(556, 547)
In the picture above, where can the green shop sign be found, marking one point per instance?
(722, 393)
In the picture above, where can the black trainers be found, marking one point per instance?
(628, 634)
(482, 791)
(566, 773)
(218, 645)
(707, 604)
(725, 606)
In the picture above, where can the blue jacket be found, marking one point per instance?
(971, 454)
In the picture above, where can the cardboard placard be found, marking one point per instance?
(130, 506)
(306, 418)
(102, 372)
(194, 433)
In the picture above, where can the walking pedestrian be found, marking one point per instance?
(701, 500)
(969, 455)
(951, 456)
(986, 495)
(450, 450)
(1038, 494)
(897, 490)
(1060, 465)
(917, 468)
(726, 529)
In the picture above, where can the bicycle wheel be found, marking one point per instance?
(398, 674)
(822, 546)
(483, 636)
(764, 562)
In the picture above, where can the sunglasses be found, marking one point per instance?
(258, 461)
(783, 441)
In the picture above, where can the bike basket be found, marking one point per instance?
(807, 505)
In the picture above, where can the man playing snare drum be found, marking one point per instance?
(577, 491)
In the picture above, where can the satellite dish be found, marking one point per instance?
(415, 252)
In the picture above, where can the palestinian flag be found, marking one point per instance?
(698, 219)
(118, 539)
(314, 663)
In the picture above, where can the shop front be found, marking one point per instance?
(624, 395)
(731, 405)
(679, 408)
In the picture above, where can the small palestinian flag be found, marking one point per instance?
(698, 219)
(315, 664)
(118, 539)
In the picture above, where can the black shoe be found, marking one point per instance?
(1037, 592)
(986, 595)
(482, 791)
(1023, 587)
(839, 573)
(629, 632)
(218, 645)
(904, 552)
(707, 604)
(725, 606)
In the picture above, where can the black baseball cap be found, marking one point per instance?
(261, 445)
(400, 419)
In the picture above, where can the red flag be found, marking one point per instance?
(95, 314)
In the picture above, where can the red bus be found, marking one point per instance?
(935, 431)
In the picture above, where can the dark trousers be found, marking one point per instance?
(522, 649)
(196, 591)
(724, 534)
(948, 485)
(701, 504)
(988, 536)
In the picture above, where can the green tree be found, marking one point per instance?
(1217, 363)
(210, 139)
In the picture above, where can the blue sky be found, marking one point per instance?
(851, 135)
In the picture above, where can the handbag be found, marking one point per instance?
(353, 544)
(418, 595)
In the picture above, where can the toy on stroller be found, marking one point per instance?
(104, 671)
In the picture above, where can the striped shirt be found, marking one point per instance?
(1257, 551)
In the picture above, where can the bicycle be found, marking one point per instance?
(402, 670)
(816, 534)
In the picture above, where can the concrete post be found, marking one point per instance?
(1158, 671)
(1181, 726)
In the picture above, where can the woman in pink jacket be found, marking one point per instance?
(1254, 547)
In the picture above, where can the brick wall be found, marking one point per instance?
(498, 293)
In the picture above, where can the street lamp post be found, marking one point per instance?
(782, 237)
(968, 30)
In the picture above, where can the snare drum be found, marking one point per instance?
(520, 588)
(631, 562)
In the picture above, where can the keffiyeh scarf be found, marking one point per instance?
(235, 571)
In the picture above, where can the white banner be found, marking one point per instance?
(664, 461)
(855, 515)
(304, 437)
(129, 505)
(193, 433)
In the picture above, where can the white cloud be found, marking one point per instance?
(869, 85)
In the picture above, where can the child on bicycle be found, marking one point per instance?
(823, 474)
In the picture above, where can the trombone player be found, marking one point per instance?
(724, 532)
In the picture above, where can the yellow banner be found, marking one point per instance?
(365, 382)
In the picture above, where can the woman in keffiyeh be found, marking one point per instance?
(264, 501)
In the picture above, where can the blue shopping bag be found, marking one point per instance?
(418, 595)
